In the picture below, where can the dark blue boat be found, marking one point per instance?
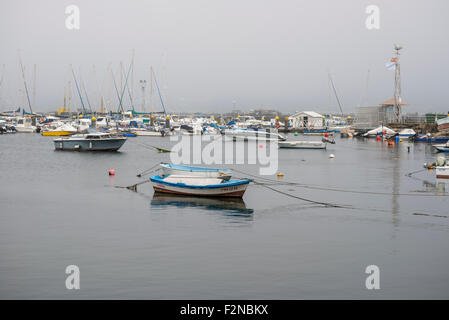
(430, 139)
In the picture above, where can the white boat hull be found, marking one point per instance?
(148, 133)
(246, 135)
(26, 129)
(441, 147)
(302, 144)
(442, 172)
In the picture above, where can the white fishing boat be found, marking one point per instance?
(407, 133)
(302, 144)
(148, 132)
(253, 134)
(24, 124)
(203, 187)
(63, 130)
(204, 172)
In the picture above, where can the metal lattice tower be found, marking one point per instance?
(143, 84)
(397, 85)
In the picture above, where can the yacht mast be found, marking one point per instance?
(25, 84)
(34, 84)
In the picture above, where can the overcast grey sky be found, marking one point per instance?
(211, 54)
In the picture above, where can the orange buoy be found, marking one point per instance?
(112, 172)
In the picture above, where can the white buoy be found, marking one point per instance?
(331, 156)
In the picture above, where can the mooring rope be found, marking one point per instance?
(147, 171)
(305, 186)
(326, 204)
(413, 172)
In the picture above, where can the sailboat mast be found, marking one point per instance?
(336, 95)
(85, 91)
(34, 84)
(151, 88)
(65, 99)
(159, 92)
(25, 84)
(1, 83)
(120, 108)
(131, 96)
(78, 89)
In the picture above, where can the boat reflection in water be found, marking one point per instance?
(232, 207)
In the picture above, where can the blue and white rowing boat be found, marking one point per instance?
(174, 169)
(442, 147)
(204, 187)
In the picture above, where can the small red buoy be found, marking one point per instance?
(260, 146)
(112, 172)
(378, 138)
(326, 135)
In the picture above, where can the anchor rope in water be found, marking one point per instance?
(413, 172)
(326, 204)
(305, 186)
(145, 172)
(150, 147)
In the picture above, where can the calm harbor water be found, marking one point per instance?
(61, 208)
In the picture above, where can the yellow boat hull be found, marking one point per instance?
(56, 133)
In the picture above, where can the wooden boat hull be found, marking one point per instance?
(234, 189)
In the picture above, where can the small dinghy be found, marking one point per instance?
(306, 144)
(173, 169)
(202, 187)
(442, 147)
(302, 144)
(428, 138)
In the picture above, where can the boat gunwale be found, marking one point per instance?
(232, 183)
(192, 169)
